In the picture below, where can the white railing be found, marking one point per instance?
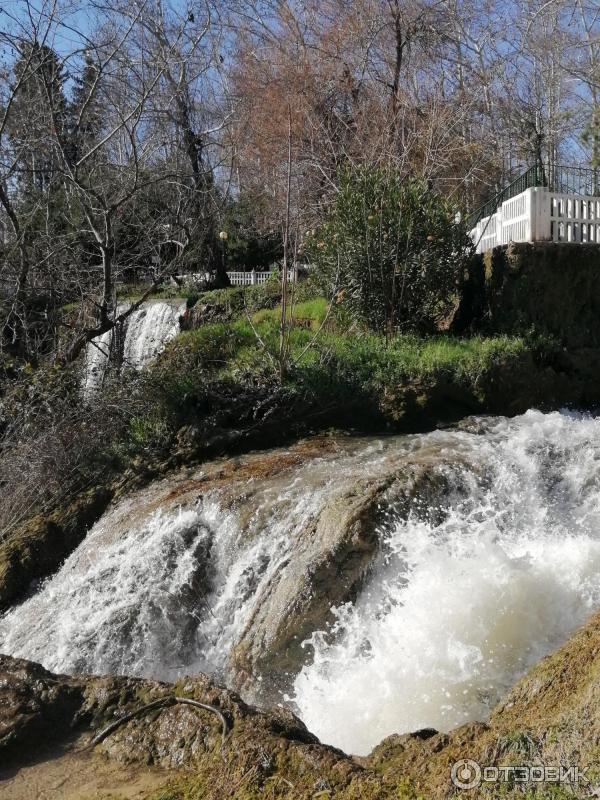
(540, 215)
(520, 219)
(574, 218)
(252, 278)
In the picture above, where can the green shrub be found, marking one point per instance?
(248, 246)
(238, 299)
(393, 250)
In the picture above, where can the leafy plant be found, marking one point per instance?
(393, 250)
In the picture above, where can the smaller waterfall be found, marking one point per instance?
(146, 332)
(97, 356)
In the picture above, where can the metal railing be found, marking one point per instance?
(583, 181)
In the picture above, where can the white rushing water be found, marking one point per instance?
(146, 332)
(161, 597)
(456, 611)
(457, 604)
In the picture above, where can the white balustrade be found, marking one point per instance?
(252, 278)
(540, 215)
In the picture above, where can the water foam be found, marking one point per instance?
(146, 333)
(459, 601)
(457, 610)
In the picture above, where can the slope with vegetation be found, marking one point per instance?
(347, 137)
(216, 389)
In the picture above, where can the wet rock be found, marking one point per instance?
(34, 703)
(38, 547)
(327, 564)
(184, 740)
(325, 568)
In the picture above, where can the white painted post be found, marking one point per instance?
(253, 277)
(539, 214)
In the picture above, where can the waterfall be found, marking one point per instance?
(456, 611)
(97, 356)
(464, 592)
(146, 332)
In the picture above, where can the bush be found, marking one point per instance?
(393, 250)
(249, 247)
(52, 445)
(238, 299)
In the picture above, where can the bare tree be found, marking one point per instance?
(115, 166)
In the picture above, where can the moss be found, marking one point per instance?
(518, 743)
(354, 369)
(38, 547)
(550, 288)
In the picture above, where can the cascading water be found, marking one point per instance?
(146, 332)
(464, 593)
(97, 356)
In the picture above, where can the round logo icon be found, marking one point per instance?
(466, 774)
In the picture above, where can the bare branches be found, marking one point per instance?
(138, 133)
(123, 148)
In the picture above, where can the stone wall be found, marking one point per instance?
(545, 288)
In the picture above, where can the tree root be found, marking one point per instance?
(163, 702)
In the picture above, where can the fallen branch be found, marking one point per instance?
(163, 702)
(206, 707)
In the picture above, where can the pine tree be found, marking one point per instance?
(85, 109)
(38, 118)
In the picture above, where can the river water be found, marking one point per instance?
(465, 591)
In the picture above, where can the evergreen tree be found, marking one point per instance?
(39, 116)
(85, 109)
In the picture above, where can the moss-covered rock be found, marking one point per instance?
(551, 288)
(263, 752)
(551, 717)
(34, 703)
(36, 548)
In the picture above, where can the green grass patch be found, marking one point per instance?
(365, 359)
(331, 367)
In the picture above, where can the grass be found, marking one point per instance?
(361, 358)
(306, 314)
(235, 299)
(335, 368)
(367, 359)
(410, 357)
